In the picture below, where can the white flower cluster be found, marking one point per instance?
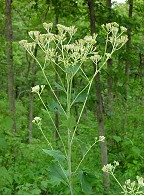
(37, 121)
(71, 54)
(38, 89)
(47, 26)
(109, 168)
(100, 139)
(115, 32)
(132, 187)
(64, 29)
(81, 50)
(28, 46)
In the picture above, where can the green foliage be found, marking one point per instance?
(58, 174)
(24, 169)
(56, 154)
(86, 180)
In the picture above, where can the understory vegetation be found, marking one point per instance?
(72, 97)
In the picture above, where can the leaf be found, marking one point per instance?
(71, 70)
(57, 174)
(70, 123)
(117, 138)
(136, 151)
(58, 86)
(86, 180)
(81, 98)
(56, 154)
(54, 106)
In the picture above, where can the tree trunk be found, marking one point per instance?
(128, 45)
(9, 52)
(99, 106)
(141, 64)
(127, 66)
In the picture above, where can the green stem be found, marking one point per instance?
(69, 87)
(84, 157)
(53, 123)
(45, 137)
(117, 181)
(48, 82)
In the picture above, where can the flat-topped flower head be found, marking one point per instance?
(101, 138)
(36, 89)
(37, 121)
(28, 46)
(48, 26)
(109, 168)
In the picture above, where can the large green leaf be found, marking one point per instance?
(56, 154)
(57, 174)
(86, 180)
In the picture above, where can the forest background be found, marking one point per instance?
(115, 108)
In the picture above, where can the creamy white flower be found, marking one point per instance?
(108, 168)
(123, 29)
(37, 120)
(140, 181)
(48, 26)
(36, 89)
(101, 138)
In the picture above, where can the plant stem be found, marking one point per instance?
(117, 181)
(69, 86)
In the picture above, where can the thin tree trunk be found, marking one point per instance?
(99, 106)
(127, 66)
(141, 64)
(128, 45)
(9, 40)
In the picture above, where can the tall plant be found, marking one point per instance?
(71, 55)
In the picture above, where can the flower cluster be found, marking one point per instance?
(47, 26)
(71, 54)
(64, 29)
(28, 46)
(38, 89)
(100, 139)
(37, 121)
(109, 168)
(132, 187)
(115, 34)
